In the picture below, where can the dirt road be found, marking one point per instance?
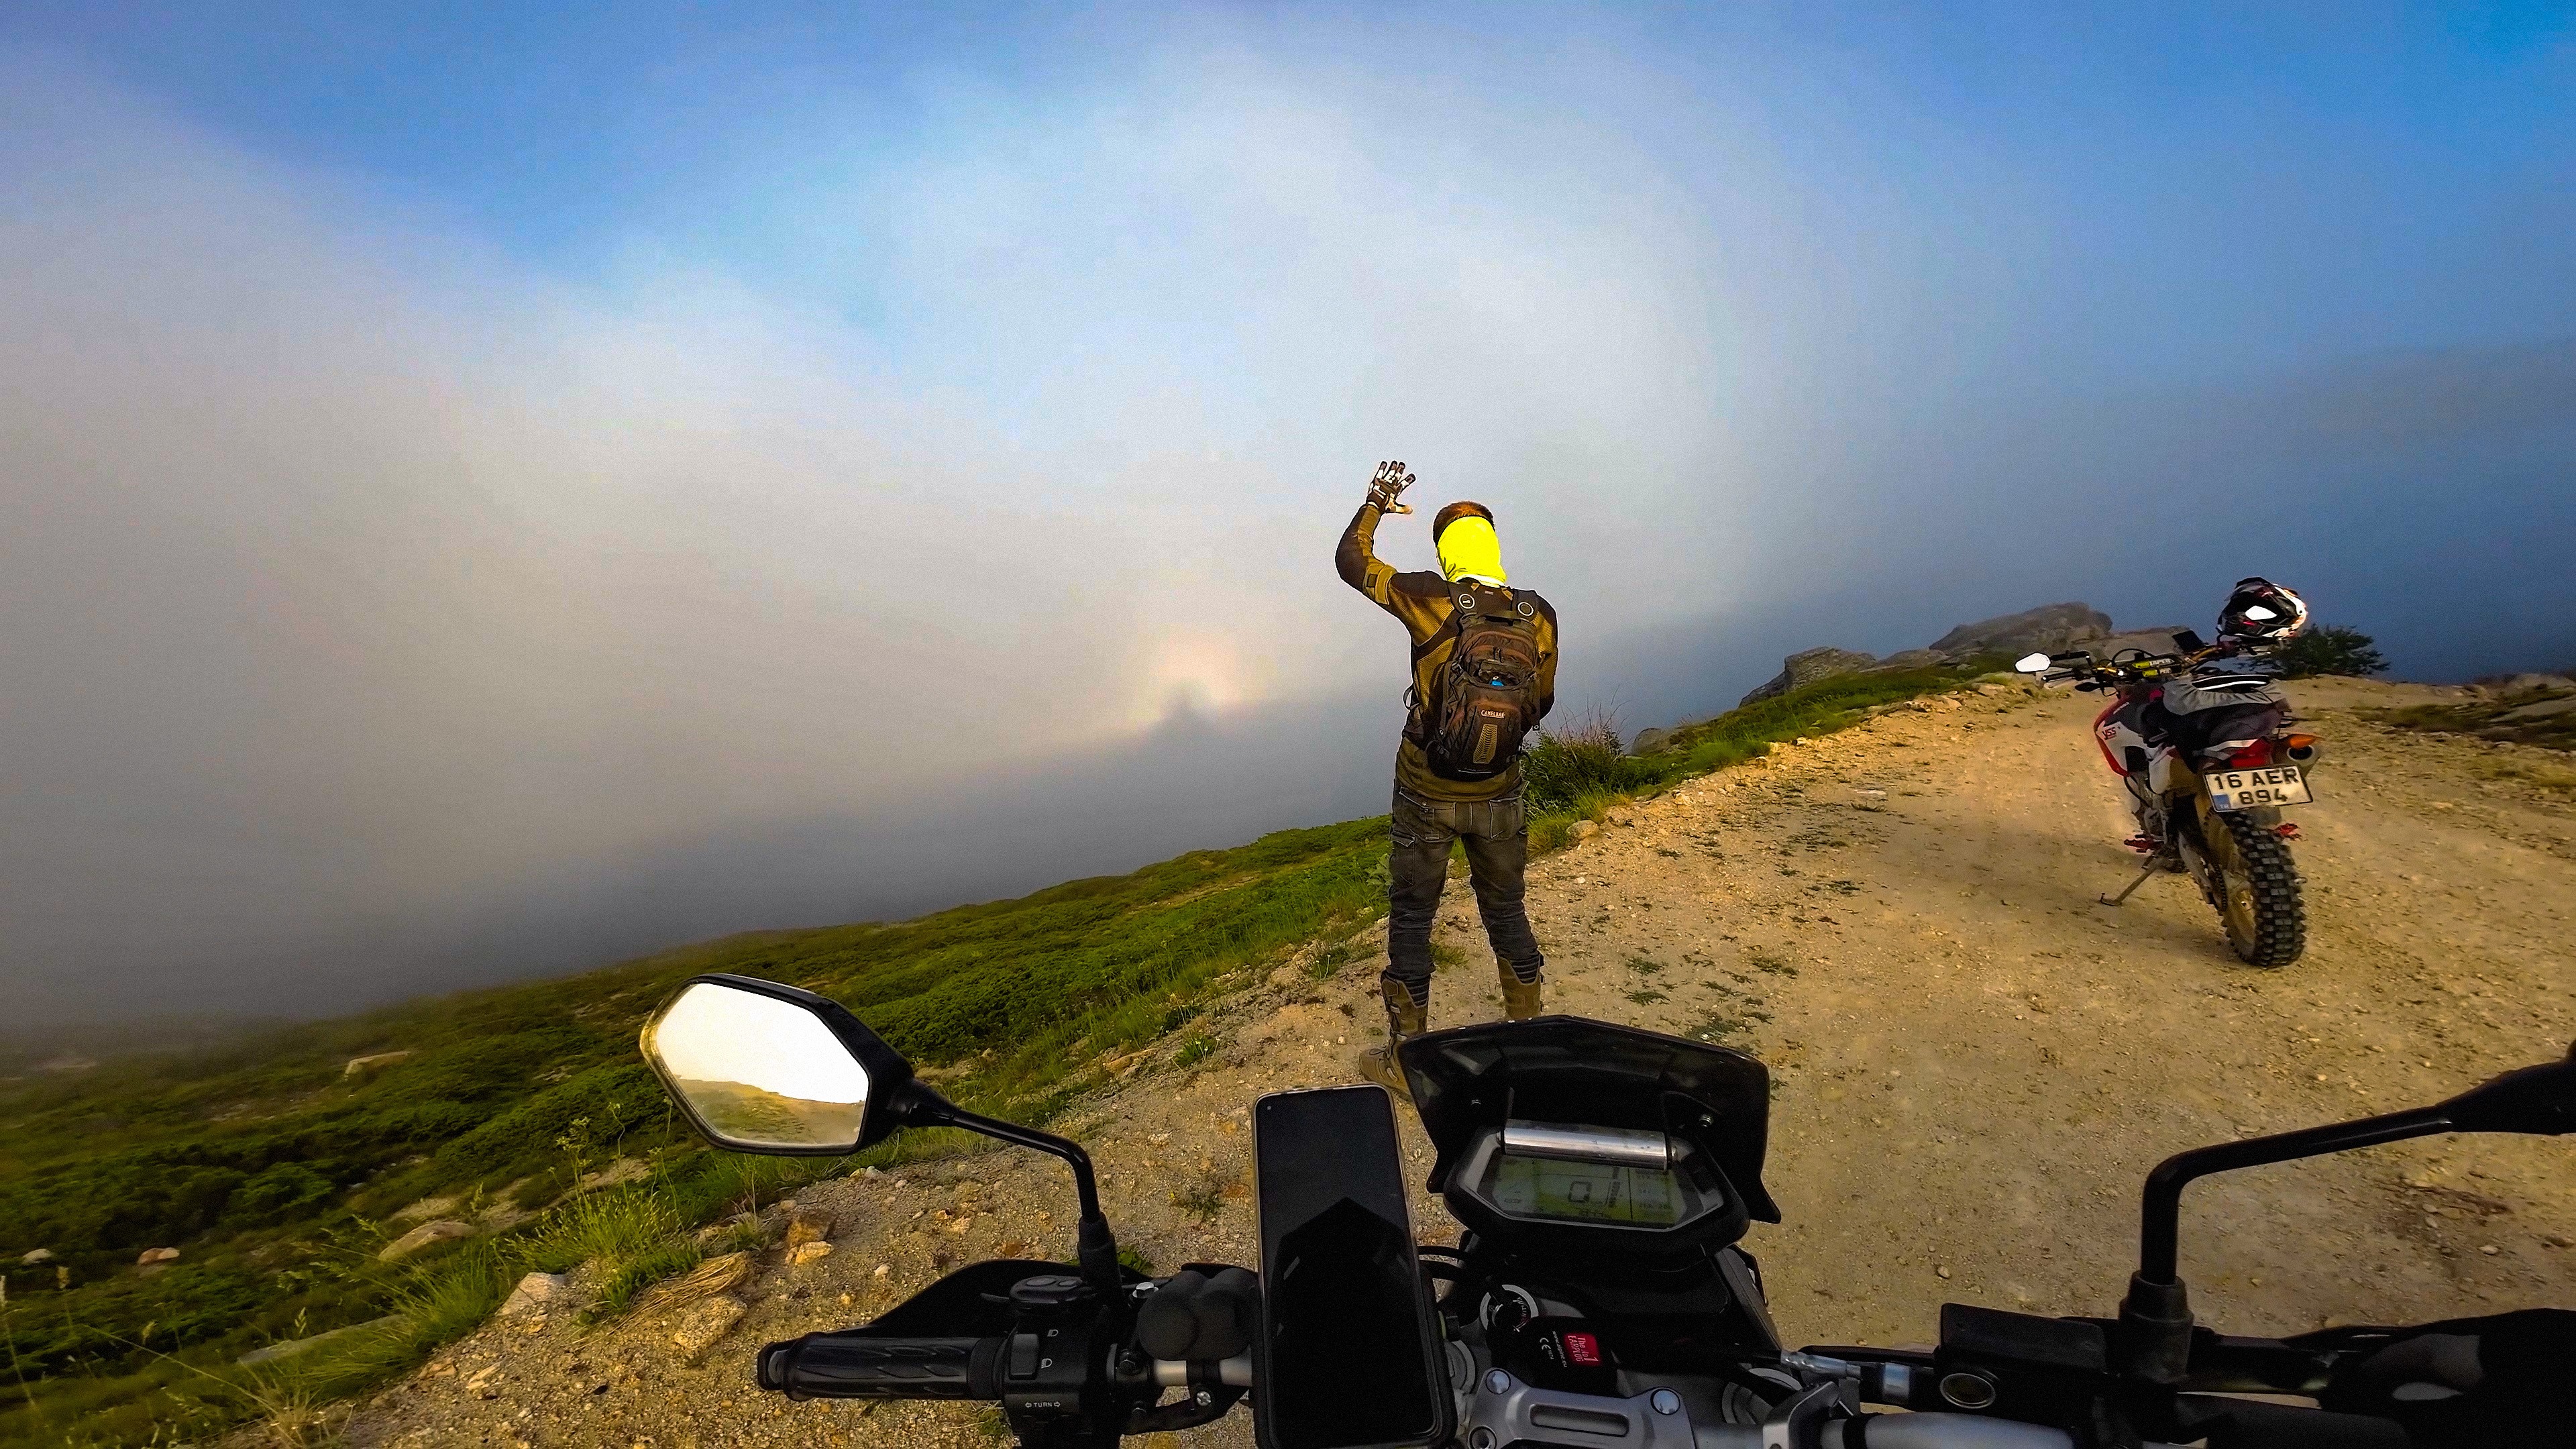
(1976, 1064)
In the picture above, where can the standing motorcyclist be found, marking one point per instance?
(1484, 675)
(2257, 612)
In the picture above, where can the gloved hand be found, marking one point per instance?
(2471, 1381)
(1387, 487)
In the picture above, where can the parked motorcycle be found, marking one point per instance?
(2208, 758)
(1600, 1296)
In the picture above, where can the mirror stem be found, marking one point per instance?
(2153, 1338)
(2159, 1214)
(1095, 1247)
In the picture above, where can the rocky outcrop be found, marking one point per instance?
(359, 1067)
(2046, 629)
(2526, 683)
(2156, 640)
(1912, 659)
(154, 1257)
(2546, 709)
(1802, 669)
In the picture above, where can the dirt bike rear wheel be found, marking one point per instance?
(2260, 901)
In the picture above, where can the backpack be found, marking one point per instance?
(1484, 701)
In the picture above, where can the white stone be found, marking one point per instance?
(535, 1292)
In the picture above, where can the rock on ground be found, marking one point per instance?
(808, 1225)
(704, 1324)
(428, 1234)
(363, 1066)
(536, 1293)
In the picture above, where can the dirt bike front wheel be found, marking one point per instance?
(2259, 896)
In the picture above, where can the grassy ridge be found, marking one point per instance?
(275, 1172)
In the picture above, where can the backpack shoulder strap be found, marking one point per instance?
(1447, 631)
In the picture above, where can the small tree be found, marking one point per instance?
(2331, 649)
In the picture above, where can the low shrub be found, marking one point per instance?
(2331, 649)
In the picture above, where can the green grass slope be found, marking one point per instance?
(277, 1174)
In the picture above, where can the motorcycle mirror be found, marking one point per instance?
(2155, 1319)
(760, 1067)
(2540, 1101)
(765, 1068)
(2031, 664)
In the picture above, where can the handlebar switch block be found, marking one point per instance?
(1054, 1380)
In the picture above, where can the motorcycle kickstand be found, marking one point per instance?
(2155, 862)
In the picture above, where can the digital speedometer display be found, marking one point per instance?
(1585, 1192)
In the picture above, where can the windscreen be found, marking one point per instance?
(1348, 1350)
(1599, 1077)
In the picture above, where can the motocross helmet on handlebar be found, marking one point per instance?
(2261, 612)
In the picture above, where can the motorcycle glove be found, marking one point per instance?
(1386, 487)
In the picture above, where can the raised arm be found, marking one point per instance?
(1355, 557)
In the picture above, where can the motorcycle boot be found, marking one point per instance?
(1521, 999)
(1405, 1018)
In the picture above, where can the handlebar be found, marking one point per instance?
(2131, 665)
(856, 1366)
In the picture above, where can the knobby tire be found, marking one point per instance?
(2280, 931)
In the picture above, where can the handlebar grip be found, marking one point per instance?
(856, 1366)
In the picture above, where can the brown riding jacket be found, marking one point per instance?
(1421, 600)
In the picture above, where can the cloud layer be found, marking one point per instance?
(936, 519)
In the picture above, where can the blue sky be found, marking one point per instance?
(2207, 150)
(483, 469)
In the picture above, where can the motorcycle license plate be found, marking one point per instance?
(2254, 789)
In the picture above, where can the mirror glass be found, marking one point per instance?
(2258, 613)
(2031, 663)
(757, 1071)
